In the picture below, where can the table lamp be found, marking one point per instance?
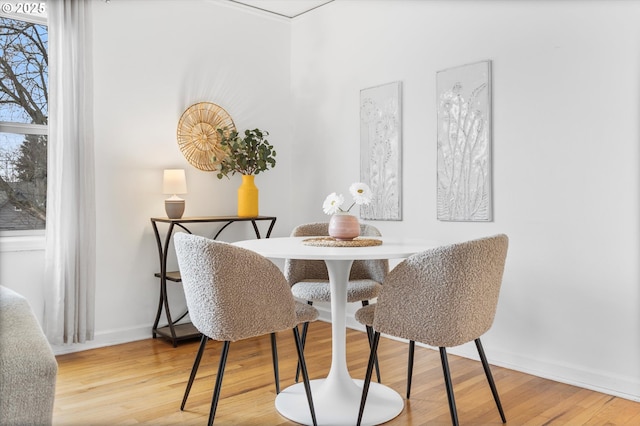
(174, 183)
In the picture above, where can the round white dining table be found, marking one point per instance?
(337, 397)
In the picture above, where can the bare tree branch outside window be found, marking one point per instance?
(23, 124)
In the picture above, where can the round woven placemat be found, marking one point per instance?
(332, 242)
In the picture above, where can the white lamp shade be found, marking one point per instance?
(174, 182)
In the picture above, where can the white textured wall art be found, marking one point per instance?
(464, 143)
(380, 150)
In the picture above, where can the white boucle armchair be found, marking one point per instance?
(441, 297)
(234, 294)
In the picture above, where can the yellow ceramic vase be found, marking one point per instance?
(248, 197)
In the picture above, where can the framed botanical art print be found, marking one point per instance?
(464, 190)
(381, 150)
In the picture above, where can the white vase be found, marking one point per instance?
(344, 227)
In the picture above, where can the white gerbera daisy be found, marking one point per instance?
(361, 193)
(332, 203)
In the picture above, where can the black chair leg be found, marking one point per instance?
(367, 378)
(449, 385)
(274, 355)
(305, 327)
(487, 372)
(305, 374)
(377, 367)
(194, 370)
(303, 340)
(412, 348)
(370, 336)
(216, 390)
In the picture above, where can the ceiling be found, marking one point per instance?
(286, 8)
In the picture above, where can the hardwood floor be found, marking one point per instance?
(143, 382)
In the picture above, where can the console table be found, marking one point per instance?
(173, 330)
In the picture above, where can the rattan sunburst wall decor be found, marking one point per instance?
(198, 136)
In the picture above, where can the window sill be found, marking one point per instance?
(22, 243)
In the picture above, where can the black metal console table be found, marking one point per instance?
(173, 330)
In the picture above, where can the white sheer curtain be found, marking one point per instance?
(70, 235)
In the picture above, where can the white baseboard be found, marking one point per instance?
(599, 381)
(106, 338)
(623, 387)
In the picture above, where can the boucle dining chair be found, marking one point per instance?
(234, 294)
(442, 297)
(309, 279)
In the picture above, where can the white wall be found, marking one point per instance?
(566, 97)
(566, 101)
(152, 60)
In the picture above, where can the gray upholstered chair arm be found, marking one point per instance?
(366, 314)
(28, 367)
(305, 313)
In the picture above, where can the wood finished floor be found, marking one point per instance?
(143, 382)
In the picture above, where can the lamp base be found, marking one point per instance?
(174, 208)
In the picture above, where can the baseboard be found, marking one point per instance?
(603, 382)
(598, 381)
(106, 338)
(623, 387)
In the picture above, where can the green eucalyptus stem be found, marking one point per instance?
(248, 155)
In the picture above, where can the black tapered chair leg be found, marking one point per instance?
(216, 390)
(370, 336)
(492, 385)
(305, 374)
(194, 370)
(303, 340)
(274, 355)
(375, 361)
(305, 327)
(449, 385)
(412, 349)
(367, 378)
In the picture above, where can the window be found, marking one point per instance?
(23, 123)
